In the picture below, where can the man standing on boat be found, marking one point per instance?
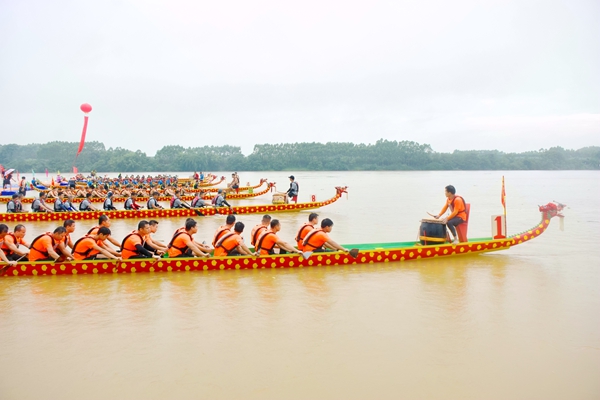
(292, 193)
(458, 213)
(318, 240)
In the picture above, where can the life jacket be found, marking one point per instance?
(219, 235)
(226, 243)
(299, 237)
(14, 203)
(152, 205)
(36, 205)
(259, 246)
(128, 204)
(108, 205)
(214, 200)
(94, 228)
(451, 206)
(58, 204)
(43, 252)
(195, 201)
(124, 243)
(309, 235)
(172, 243)
(85, 254)
(257, 235)
(81, 205)
(4, 246)
(293, 191)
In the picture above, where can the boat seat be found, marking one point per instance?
(462, 229)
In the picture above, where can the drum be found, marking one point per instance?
(279, 198)
(432, 231)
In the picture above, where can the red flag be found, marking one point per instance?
(46, 172)
(82, 142)
(75, 171)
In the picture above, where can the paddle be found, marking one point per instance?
(189, 207)
(353, 253)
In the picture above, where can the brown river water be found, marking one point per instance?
(518, 324)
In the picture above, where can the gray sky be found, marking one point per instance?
(512, 75)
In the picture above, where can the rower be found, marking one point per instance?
(153, 202)
(90, 247)
(269, 240)
(313, 220)
(232, 244)
(130, 203)
(223, 229)
(14, 247)
(59, 202)
(104, 221)
(182, 244)
(176, 201)
(3, 233)
(47, 246)
(86, 204)
(39, 205)
(108, 203)
(318, 240)
(457, 207)
(150, 244)
(13, 204)
(198, 202)
(259, 229)
(70, 227)
(219, 200)
(68, 204)
(133, 244)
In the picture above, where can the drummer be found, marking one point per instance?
(458, 213)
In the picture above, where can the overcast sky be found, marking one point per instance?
(512, 75)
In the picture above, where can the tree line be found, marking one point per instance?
(334, 156)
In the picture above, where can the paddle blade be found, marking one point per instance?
(353, 253)
(306, 255)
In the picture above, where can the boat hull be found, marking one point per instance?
(168, 213)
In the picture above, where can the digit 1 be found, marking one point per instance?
(498, 220)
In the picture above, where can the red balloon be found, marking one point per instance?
(86, 108)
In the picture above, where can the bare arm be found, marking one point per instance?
(287, 247)
(106, 253)
(331, 244)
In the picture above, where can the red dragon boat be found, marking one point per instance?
(118, 199)
(169, 212)
(361, 254)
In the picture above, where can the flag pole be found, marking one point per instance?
(504, 205)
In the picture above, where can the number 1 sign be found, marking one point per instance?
(498, 227)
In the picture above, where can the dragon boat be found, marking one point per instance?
(169, 212)
(118, 199)
(361, 254)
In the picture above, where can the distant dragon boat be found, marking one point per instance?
(361, 254)
(169, 212)
(207, 196)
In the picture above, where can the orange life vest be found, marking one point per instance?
(309, 243)
(302, 232)
(226, 244)
(128, 249)
(266, 248)
(36, 253)
(177, 244)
